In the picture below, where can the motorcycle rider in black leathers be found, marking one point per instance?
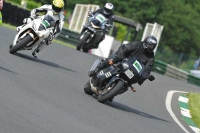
(143, 50)
(106, 11)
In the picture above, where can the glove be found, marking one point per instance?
(110, 62)
(32, 17)
(140, 82)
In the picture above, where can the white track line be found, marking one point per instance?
(169, 109)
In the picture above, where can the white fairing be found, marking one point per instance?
(32, 29)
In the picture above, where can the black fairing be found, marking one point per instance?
(96, 34)
(111, 72)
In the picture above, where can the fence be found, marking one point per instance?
(169, 70)
(13, 14)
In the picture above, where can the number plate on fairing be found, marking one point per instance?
(129, 74)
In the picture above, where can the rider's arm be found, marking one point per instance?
(43, 8)
(111, 20)
(59, 25)
(125, 50)
(97, 11)
(147, 70)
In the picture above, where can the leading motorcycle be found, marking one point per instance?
(93, 31)
(33, 33)
(115, 79)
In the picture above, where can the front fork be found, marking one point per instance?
(115, 78)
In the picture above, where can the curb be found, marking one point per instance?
(185, 112)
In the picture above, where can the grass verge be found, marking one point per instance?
(194, 104)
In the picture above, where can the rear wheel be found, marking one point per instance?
(27, 39)
(82, 40)
(105, 96)
(87, 88)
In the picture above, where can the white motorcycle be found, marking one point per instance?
(33, 33)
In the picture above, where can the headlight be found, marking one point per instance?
(34, 26)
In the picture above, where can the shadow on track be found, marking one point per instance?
(43, 62)
(7, 70)
(131, 110)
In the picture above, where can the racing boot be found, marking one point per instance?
(35, 52)
(39, 48)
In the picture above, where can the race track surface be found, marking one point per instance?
(46, 95)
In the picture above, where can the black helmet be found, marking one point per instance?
(149, 43)
(108, 8)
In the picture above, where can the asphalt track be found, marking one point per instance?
(45, 95)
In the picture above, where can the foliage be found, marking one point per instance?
(194, 105)
(32, 4)
(179, 18)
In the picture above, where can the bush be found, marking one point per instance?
(31, 5)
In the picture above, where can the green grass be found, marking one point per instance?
(9, 26)
(194, 104)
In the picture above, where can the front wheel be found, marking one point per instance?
(82, 40)
(27, 39)
(105, 96)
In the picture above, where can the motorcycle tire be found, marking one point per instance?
(87, 88)
(85, 50)
(113, 92)
(20, 44)
(82, 41)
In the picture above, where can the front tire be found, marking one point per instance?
(113, 92)
(27, 39)
(82, 41)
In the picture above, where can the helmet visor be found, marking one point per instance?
(107, 11)
(56, 9)
(149, 47)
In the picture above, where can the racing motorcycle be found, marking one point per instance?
(33, 33)
(114, 79)
(93, 31)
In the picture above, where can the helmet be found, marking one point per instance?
(149, 43)
(57, 5)
(108, 8)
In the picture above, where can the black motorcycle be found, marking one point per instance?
(93, 31)
(115, 79)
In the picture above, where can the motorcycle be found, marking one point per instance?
(93, 31)
(33, 33)
(114, 79)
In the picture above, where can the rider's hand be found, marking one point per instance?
(110, 62)
(140, 82)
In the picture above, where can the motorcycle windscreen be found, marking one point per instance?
(136, 66)
(47, 22)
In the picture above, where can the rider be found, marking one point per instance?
(106, 11)
(143, 50)
(55, 9)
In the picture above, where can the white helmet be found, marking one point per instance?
(108, 8)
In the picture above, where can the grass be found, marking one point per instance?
(194, 104)
(55, 40)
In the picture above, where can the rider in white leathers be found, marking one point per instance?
(55, 10)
